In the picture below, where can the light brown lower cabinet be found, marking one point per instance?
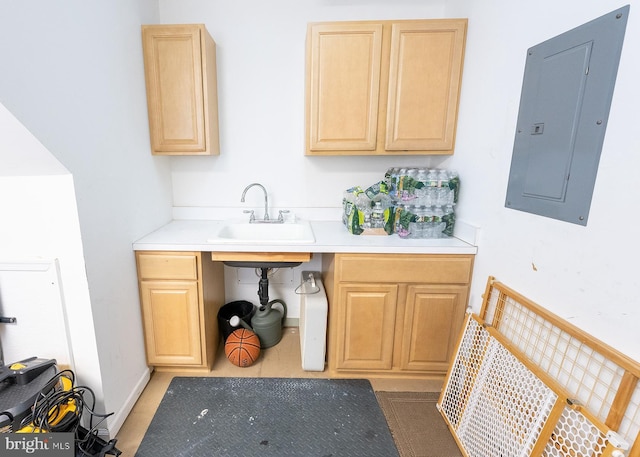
(394, 315)
(179, 312)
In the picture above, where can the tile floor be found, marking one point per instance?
(282, 360)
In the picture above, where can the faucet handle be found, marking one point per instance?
(252, 216)
(281, 214)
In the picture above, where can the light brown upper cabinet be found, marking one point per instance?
(383, 88)
(182, 95)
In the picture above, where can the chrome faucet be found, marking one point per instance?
(266, 200)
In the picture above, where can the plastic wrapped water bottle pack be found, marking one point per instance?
(412, 202)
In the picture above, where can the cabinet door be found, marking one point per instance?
(343, 74)
(178, 79)
(433, 318)
(424, 84)
(365, 326)
(171, 321)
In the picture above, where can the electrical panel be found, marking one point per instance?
(564, 106)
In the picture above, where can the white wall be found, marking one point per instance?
(72, 73)
(585, 274)
(261, 51)
(40, 226)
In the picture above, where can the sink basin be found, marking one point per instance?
(242, 232)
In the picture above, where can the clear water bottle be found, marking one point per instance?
(428, 224)
(411, 182)
(363, 203)
(454, 184)
(422, 177)
(422, 223)
(432, 177)
(377, 216)
(422, 186)
(402, 173)
(444, 195)
(438, 223)
(348, 204)
(449, 219)
(443, 178)
(406, 216)
(391, 177)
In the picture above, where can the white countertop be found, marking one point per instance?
(331, 237)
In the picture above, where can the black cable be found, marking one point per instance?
(86, 443)
(45, 400)
(49, 405)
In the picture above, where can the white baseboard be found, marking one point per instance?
(116, 421)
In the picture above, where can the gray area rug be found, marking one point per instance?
(204, 416)
(416, 424)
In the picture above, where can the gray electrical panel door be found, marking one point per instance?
(566, 95)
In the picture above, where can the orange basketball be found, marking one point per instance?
(242, 347)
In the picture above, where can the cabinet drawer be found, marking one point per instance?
(168, 266)
(432, 269)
